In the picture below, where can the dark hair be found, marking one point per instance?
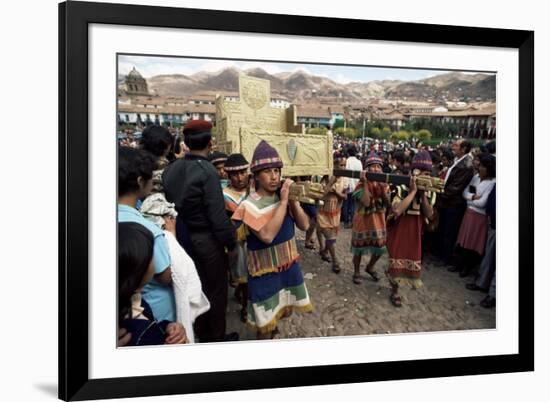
(133, 163)
(351, 151)
(399, 156)
(175, 148)
(466, 145)
(435, 157)
(197, 141)
(156, 139)
(489, 162)
(447, 153)
(135, 252)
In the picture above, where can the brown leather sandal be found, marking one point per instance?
(395, 300)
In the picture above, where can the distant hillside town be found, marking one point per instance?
(462, 103)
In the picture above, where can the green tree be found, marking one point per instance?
(423, 135)
(386, 133)
(346, 132)
(400, 135)
(338, 123)
(375, 132)
(340, 131)
(436, 128)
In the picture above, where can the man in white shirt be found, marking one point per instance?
(348, 207)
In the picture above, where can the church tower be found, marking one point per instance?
(136, 84)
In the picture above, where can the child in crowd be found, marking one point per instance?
(328, 219)
(135, 270)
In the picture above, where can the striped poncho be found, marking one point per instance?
(275, 280)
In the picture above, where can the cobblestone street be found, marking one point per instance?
(344, 308)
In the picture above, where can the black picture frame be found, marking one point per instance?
(74, 18)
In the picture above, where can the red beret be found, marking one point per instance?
(197, 126)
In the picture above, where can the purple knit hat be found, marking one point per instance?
(373, 159)
(265, 156)
(422, 161)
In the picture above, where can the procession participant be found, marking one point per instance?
(218, 160)
(368, 235)
(236, 167)
(473, 230)
(135, 181)
(193, 185)
(275, 281)
(328, 218)
(411, 209)
(135, 270)
(450, 204)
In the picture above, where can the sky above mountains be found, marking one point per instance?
(150, 66)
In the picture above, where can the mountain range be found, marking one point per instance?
(299, 86)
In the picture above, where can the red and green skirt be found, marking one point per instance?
(405, 251)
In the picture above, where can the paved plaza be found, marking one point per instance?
(344, 308)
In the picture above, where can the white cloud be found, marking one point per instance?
(213, 66)
(270, 68)
(342, 79)
(151, 66)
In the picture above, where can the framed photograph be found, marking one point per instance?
(321, 91)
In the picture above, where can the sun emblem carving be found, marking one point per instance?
(254, 96)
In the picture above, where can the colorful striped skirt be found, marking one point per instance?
(368, 234)
(273, 295)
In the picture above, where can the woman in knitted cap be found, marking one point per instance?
(412, 209)
(236, 168)
(275, 281)
(368, 234)
(328, 217)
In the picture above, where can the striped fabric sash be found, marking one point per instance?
(276, 258)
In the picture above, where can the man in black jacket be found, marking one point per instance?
(193, 184)
(450, 203)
